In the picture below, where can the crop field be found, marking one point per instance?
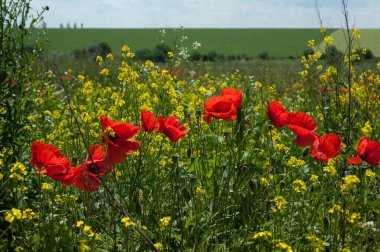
(279, 43)
(116, 154)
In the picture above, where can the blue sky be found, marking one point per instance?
(207, 13)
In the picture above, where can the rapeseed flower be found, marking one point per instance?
(164, 222)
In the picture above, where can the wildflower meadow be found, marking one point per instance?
(129, 155)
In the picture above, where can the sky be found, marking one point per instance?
(207, 13)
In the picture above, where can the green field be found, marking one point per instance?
(369, 38)
(279, 43)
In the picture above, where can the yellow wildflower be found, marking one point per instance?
(262, 235)
(170, 55)
(104, 71)
(110, 56)
(299, 185)
(370, 174)
(352, 218)
(128, 222)
(164, 222)
(311, 43)
(314, 179)
(367, 129)
(316, 243)
(328, 40)
(293, 162)
(356, 34)
(335, 208)
(79, 223)
(349, 182)
(99, 59)
(280, 204)
(159, 246)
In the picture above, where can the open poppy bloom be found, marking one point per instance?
(234, 95)
(86, 176)
(148, 121)
(172, 128)
(52, 160)
(304, 126)
(368, 151)
(277, 114)
(326, 147)
(116, 135)
(219, 107)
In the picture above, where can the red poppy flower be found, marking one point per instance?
(116, 135)
(148, 121)
(220, 107)
(43, 153)
(304, 137)
(368, 151)
(303, 120)
(49, 157)
(234, 95)
(304, 126)
(326, 147)
(84, 179)
(277, 114)
(172, 128)
(86, 175)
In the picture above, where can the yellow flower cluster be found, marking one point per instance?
(349, 183)
(328, 40)
(367, 129)
(299, 186)
(18, 170)
(330, 168)
(128, 222)
(316, 243)
(164, 222)
(27, 214)
(293, 162)
(159, 246)
(282, 245)
(279, 204)
(262, 235)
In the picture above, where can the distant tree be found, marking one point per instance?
(81, 25)
(264, 55)
(160, 52)
(144, 54)
(68, 26)
(44, 25)
(75, 25)
(195, 56)
(61, 25)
